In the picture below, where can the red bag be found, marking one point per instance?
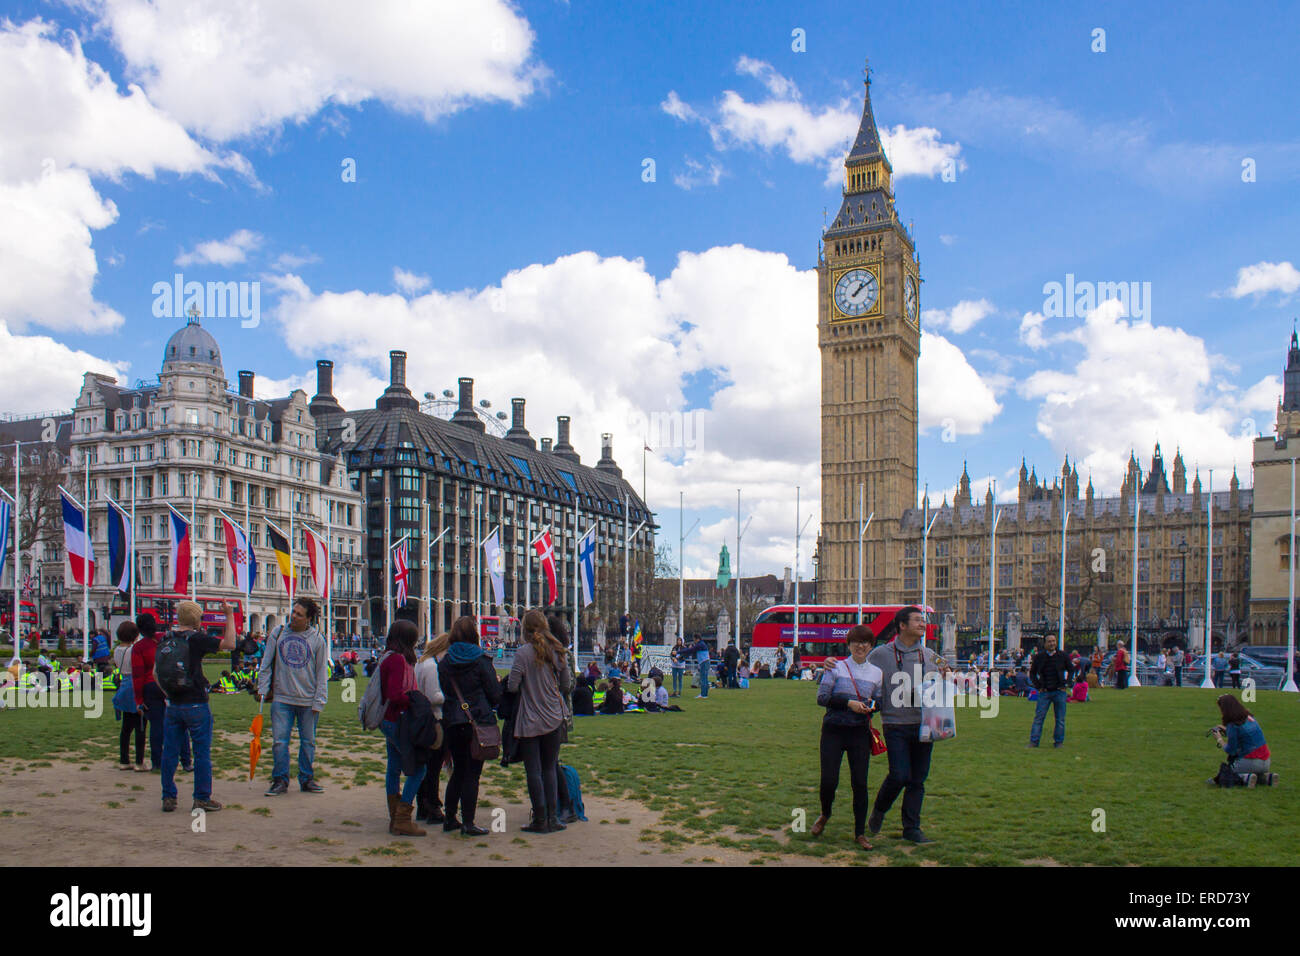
(877, 738)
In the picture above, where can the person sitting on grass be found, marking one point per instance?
(613, 702)
(1021, 682)
(583, 697)
(1242, 740)
(1079, 692)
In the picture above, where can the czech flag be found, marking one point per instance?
(81, 551)
(319, 557)
(180, 553)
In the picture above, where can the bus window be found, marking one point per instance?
(778, 617)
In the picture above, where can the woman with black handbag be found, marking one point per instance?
(541, 674)
(469, 682)
(846, 691)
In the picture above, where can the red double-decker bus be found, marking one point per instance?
(162, 607)
(823, 627)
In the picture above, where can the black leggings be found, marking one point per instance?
(856, 742)
(131, 722)
(541, 764)
(427, 799)
(462, 788)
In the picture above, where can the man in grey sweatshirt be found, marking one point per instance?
(904, 662)
(297, 659)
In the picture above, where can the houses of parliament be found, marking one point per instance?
(869, 337)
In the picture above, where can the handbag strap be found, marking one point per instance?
(463, 706)
(856, 691)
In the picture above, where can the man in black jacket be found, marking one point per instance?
(732, 657)
(1049, 673)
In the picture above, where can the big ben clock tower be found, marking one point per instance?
(868, 329)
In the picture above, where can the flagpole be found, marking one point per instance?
(86, 566)
(293, 572)
(627, 577)
(133, 557)
(329, 583)
(17, 534)
(528, 562)
(194, 497)
(1208, 680)
(252, 563)
(424, 558)
(388, 561)
(577, 573)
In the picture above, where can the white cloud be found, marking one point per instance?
(409, 283)
(961, 317)
(716, 315)
(697, 174)
(60, 372)
(946, 239)
(230, 251)
(807, 135)
(952, 393)
(1136, 384)
(288, 261)
(1264, 277)
(62, 121)
(244, 66)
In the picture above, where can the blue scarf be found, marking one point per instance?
(463, 652)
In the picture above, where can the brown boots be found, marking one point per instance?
(393, 801)
(403, 825)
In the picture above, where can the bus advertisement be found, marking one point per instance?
(162, 608)
(823, 628)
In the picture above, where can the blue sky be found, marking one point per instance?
(500, 165)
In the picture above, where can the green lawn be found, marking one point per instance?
(734, 770)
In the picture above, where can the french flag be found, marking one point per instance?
(180, 554)
(81, 551)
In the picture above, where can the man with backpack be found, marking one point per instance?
(297, 663)
(178, 668)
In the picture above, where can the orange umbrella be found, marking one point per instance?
(255, 745)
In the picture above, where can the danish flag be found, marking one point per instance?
(546, 552)
(400, 572)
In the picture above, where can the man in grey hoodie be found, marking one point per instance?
(297, 660)
(904, 662)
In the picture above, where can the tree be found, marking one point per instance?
(43, 468)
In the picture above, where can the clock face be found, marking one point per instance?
(856, 292)
(909, 298)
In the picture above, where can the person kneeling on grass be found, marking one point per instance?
(1242, 740)
(1079, 693)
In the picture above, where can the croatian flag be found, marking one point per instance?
(401, 572)
(546, 552)
(587, 565)
(180, 553)
(121, 547)
(81, 552)
(243, 566)
(319, 558)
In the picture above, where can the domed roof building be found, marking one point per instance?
(192, 344)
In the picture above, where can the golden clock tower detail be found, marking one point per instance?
(868, 329)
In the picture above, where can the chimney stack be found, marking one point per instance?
(464, 415)
(607, 463)
(546, 444)
(562, 447)
(245, 384)
(518, 432)
(324, 402)
(397, 395)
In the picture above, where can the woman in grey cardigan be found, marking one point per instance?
(541, 675)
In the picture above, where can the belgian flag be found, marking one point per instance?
(280, 545)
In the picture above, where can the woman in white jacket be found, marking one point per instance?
(428, 805)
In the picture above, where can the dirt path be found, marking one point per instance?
(70, 813)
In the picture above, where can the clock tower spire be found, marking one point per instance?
(869, 335)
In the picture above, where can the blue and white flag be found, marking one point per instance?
(496, 565)
(587, 563)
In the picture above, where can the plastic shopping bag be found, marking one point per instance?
(938, 708)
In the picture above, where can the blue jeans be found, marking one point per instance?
(679, 677)
(704, 679)
(909, 765)
(1057, 699)
(394, 775)
(192, 721)
(283, 717)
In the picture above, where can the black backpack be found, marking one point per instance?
(171, 664)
